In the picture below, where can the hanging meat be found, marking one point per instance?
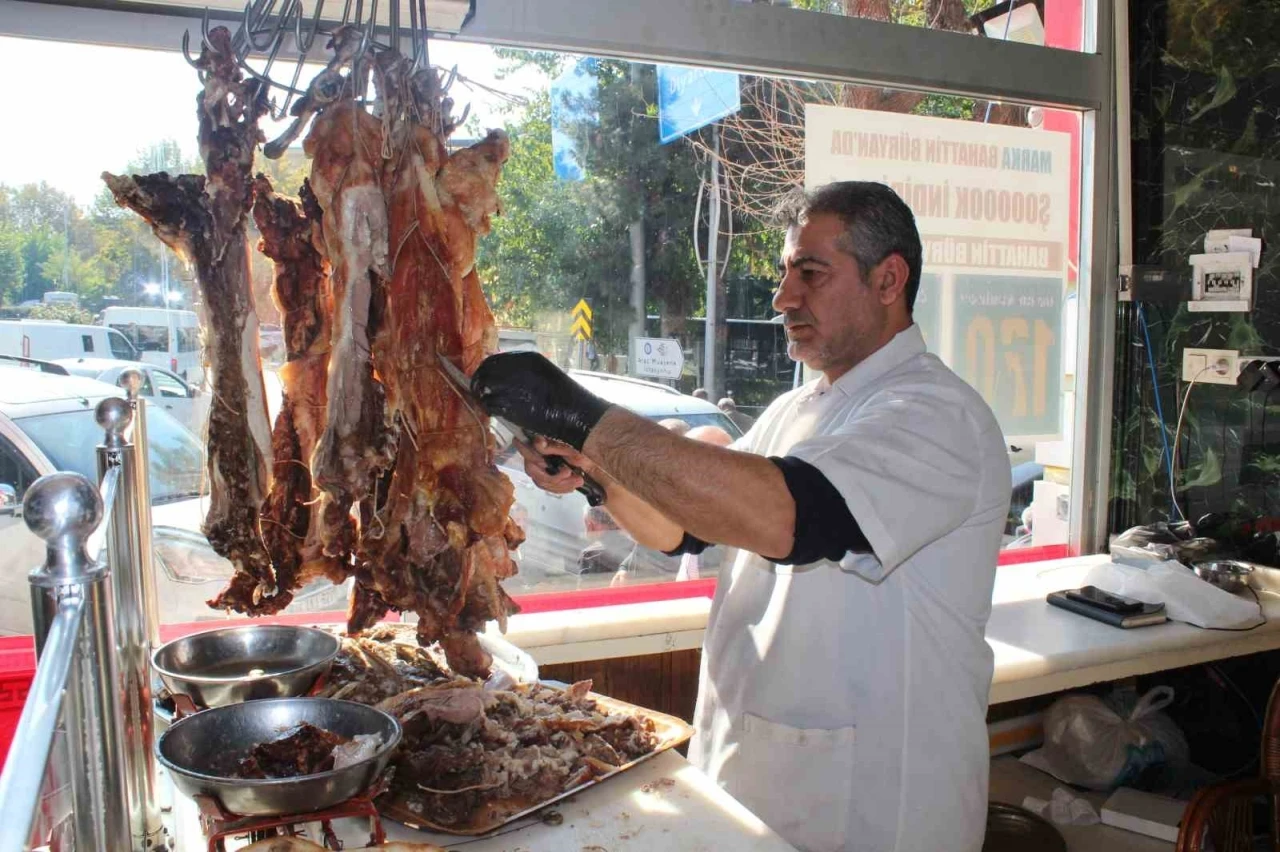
(380, 466)
(439, 544)
(290, 231)
(202, 218)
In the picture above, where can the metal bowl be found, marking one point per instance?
(234, 664)
(1227, 574)
(197, 749)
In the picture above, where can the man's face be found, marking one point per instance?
(833, 317)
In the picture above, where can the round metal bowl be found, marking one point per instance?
(1227, 574)
(234, 664)
(196, 751)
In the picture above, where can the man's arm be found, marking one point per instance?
(645, 524)
(718, 495)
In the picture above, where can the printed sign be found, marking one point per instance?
(581, 327)
(992, 204)
(689, 98)
(658, 357)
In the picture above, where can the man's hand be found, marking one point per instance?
(564, 480)
(534, 394)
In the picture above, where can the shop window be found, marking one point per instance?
(592, 193)
(1044, 23)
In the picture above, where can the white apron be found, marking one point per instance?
(845, 703)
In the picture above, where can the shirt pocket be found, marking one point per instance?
(798, 780)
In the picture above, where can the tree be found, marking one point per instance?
(762, 154)
(558, 241)
(12, 269)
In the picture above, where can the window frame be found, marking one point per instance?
(760, 38)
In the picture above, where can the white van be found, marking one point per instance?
(60, 297)
(49, 340)
(164, 337)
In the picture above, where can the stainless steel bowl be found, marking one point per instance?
(1227, 574)
(197, 750)
(234, 664)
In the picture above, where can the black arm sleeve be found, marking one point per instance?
(688, 544)
(825, 529)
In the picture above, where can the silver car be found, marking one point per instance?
(47, 424)
(162, 388)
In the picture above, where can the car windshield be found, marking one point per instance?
(70, 440)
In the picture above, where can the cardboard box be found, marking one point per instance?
(1050, 513)
(1144, 813)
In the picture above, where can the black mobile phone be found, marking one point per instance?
(1105, 600)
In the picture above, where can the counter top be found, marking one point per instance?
(664, 803)
(1041, 649)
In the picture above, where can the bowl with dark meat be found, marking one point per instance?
(281, 755)
(233, 664)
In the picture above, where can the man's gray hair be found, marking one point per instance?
(877, 223)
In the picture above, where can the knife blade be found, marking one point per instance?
(505, 433)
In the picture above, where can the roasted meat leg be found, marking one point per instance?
(203, 219)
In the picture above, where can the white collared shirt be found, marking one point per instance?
(845, 703)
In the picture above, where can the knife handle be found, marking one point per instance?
(593, 490)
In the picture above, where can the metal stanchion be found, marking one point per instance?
(63, 509)
(131, 380)
(128, 534)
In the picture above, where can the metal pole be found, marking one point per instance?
(132, 382)
(129, 574)
(709, 353)
(33, 739)
(63, 509)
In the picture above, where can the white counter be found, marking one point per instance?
(1041, 649)
(1038, 648)
(664, 803)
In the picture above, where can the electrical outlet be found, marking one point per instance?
(1214, 366)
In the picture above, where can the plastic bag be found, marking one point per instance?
(1089, 744)
(1159, 542)
(1186, 597)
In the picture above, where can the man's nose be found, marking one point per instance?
(787, 296)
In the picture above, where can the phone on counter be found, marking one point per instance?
(1106, 600)
(1109, 608)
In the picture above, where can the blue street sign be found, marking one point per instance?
(573, 106)
(689, 98)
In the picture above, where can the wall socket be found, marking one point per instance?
(1212, 366)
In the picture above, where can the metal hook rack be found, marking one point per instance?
(266, 26)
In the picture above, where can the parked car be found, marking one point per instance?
(564, 543)
(165, 337)
(47, 424)
(163, 389)
(50, 339)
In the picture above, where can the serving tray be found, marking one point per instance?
(670, 731)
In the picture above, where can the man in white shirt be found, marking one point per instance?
(844, 673)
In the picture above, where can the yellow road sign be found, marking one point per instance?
(581, 327)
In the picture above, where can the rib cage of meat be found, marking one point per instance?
(438, 542)
(302, 295)
(203, 220)
(381, 466)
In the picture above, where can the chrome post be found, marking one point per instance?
(131, 379)
(63, 509)
(117, 466)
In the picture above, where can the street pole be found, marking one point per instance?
(709, 371)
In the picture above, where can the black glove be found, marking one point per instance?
(534, 394)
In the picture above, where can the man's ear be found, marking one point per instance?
(890, 279)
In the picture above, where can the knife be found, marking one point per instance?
(505, 432)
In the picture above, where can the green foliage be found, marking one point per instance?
(63, 313)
